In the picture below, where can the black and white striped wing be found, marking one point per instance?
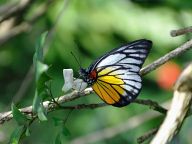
(118, 82)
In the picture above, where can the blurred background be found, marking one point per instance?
(89, 29)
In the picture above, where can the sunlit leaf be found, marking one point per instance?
(41, 113)
(41, 85)
(18, 116)
(39, 47)
(40, 69)
(41, 77)
(36, 102)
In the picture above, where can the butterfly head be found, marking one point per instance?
(88, 76)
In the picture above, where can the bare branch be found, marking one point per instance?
(182, 31)
(153, 105)
(178, 111)
(147, 135)
(24, 26)
(14, 10)
(49, 106)
(174, 53)
(5, 7)
(24, 86)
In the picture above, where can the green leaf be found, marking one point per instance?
(57, 121)
(40, 78)
(18, 116)
(40, 92)
(65, 131)
(27, 132)
(39, 47)
(41, 113)
(58, 139)
(38, 57)
(40, 69)
(41, 85)
(16, 135)
(36, 102)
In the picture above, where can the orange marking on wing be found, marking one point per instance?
(111, 91)
(119, 89)
(95, 87)
(101, 92)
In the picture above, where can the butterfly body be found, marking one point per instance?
(115, 76)
(88, 76)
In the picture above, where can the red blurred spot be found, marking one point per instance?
(167, 75)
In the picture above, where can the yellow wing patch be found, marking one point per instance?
(106, 93)
(119, 89)
(104, 71)
(111, 79)
(110, 91)
(108, 87)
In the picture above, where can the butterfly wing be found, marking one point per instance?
(118, 81)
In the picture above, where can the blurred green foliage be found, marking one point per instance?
(90, 28)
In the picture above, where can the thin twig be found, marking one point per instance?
(153, 105)
(5, 7)
(147, 135)
(25, 26)
(24, 86)
(182, 31)
(84, 106)
(174, 53)
(16, 9)
(21, 28)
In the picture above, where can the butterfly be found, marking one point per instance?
(115, 76)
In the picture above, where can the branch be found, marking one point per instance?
(24, 26)
(74, 95)
(178, 111)
(174, 53)
(182, 31)
(147, 135)
(49, 106)
(153, 105)
(15, 9)
(24, 86)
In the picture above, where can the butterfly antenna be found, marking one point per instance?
(76, 59)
